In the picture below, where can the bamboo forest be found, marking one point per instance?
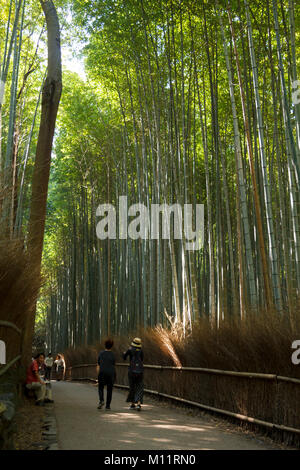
(111, 105)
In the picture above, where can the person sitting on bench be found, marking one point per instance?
(34, 381)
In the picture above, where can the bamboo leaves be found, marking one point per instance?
(179, 107)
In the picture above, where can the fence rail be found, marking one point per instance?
(268, 400)
(9, 324)
(6, 367)
(208, 371)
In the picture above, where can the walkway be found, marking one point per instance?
(81, 426)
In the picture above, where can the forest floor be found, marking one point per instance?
(159, 426)
(29, 426)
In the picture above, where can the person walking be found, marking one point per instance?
(135, 374)
(48, 363)
(60, 367)
(106, 374)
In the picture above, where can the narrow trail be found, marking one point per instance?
(80, 425)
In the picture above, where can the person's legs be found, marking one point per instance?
(60, 372)
(101, 389)
(132, 393)
(139, 391)
(48, 373)
(137, 382)
(41, 393)
(39, 390)
(48, 395)
(130, 397)
(109, 385)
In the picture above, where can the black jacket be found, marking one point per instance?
(106, 361)
(131, 353)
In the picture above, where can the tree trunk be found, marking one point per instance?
(50, 102)
(267, 193)
(261, 241)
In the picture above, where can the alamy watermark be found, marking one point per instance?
(296, 92)
(185, 223)
(2, 352)
(296, 354)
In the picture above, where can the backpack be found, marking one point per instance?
(136, 363)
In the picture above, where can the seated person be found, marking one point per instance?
(35, 382)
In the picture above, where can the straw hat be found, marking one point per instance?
(137, 343)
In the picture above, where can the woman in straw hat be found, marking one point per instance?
(135, 373)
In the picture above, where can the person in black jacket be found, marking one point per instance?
(106, 373)
(135, 373)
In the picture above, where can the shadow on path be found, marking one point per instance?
(82, 426)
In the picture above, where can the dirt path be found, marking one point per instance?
(81, 426)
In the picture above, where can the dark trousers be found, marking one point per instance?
(136, 388)
(59, 373)
(104, 379)
(48, 373)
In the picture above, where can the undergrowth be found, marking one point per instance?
(259, 343)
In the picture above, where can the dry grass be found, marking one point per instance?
(18, 290)
(260, 343)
